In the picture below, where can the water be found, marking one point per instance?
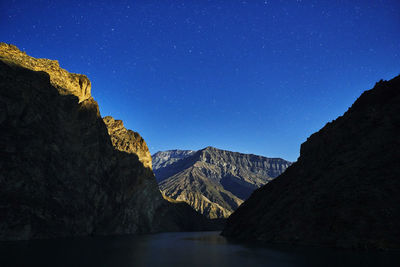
(178, 249)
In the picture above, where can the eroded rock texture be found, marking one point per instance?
(213, 181)
(127, 140)
(65, 82)
(344, 189)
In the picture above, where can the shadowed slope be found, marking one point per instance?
(343, 190)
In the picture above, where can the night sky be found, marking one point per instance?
(250, 76)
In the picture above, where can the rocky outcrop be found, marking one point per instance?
(127, 140)
(162, 159)
(215, 182)
(60, 174)
(343, 190)
(65, 82)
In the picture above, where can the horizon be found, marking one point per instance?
(254, 77)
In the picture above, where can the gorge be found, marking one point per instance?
(66, 171)
(200, 133)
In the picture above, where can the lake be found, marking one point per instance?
(179, 249)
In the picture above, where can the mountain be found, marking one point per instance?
(213, 181)
(162, 159)
(61, 173)
(344, 189)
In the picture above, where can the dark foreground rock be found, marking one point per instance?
(344, 189)
(60, 174)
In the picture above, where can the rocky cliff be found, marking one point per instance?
(215, 182)
(127, 140)
(60, 174)
(65, 82)
(343, 190)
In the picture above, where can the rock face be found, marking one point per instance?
(213, 181)
(60, 174)
(127, 140)
(65, 82)
(344, 189)
(162, 159)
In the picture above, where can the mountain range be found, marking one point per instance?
(214, 182)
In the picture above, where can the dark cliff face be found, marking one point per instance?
(214, 181)
(343, 190)
(60, 174)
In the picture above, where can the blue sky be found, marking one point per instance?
(250, 76)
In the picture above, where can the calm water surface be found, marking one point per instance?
(178, 249)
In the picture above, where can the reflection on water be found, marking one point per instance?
(178, 249)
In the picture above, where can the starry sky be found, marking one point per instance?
(250, 76)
